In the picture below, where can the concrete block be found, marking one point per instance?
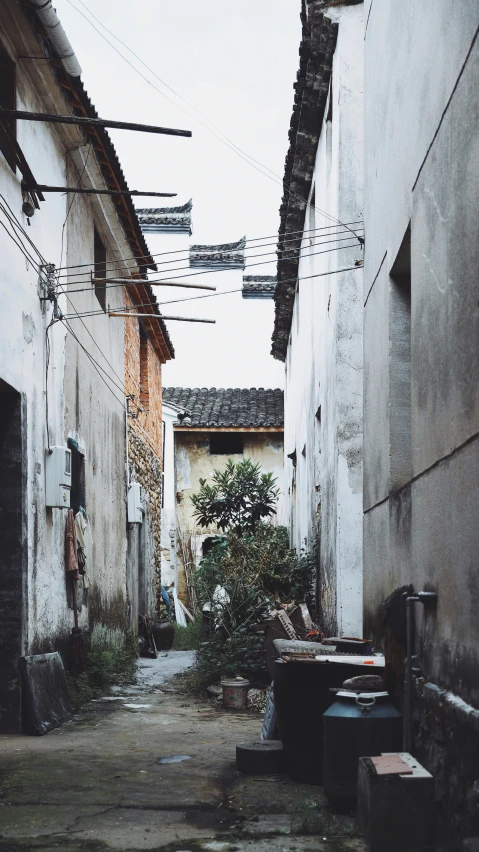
(396, 812)
(46, 699)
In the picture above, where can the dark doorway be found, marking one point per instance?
(13, 535)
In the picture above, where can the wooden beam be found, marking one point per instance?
(158, 316)
(23, 115)
(81, 190)
(156, 283)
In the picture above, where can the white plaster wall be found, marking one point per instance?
(79, 404)
(324, 357)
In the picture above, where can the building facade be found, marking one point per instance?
(66, 385)
(421, 369)
(318, 310)
(211, 426)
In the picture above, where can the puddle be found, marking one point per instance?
(137, 706)
(175, 758)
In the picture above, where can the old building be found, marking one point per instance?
(70, 374)
(318, 310)
(421, 369)
(211, 426)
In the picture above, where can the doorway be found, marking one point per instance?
(13, 554)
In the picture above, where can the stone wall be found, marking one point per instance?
(143, 382)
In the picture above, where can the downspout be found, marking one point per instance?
(56, 34)
(427, 599)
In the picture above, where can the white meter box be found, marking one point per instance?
(135, 503)
(58, 477)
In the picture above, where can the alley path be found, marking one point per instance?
(97, 784)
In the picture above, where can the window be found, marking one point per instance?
(7, 101)
(226, 444)
(207, 544)
(77, 493)
(100, 268)
(400, 460)
(144, 390)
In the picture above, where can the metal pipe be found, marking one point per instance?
(50, 20)
(426, 598)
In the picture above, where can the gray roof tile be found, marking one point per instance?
(234, 407)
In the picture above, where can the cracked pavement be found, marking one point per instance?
(96, 784)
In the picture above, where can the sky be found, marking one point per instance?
(236, 63)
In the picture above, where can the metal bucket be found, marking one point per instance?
(235, 693)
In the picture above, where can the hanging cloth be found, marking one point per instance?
(71, 558)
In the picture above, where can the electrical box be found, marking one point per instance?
(135, 503)
(58, 477)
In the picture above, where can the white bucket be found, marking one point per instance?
(235, 693)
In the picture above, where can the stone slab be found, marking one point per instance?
(46, 698)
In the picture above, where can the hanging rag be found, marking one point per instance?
(71, 558)
(84, 546)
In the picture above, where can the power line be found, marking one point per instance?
(237, 290)
(129, 282)
(82, 278)
(304, 232)
(95, 364)
(223, 138)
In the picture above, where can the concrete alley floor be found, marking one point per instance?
(96, 784)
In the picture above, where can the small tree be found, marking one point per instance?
(238, 498)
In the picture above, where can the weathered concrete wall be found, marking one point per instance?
(421, 528)
(193, 462)
(323, 397)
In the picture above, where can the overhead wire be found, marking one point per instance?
(186, 251)
(321, 241)
(265, 170)
(238, 289)
(129, 282)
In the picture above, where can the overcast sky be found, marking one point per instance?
(236, 63)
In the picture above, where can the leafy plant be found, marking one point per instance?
(241, 654)
(187, 638)
(111, 660)
(238, 498)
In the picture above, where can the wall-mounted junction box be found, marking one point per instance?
(135, 503)
(58, 477)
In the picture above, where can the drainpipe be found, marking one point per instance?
(56, 34)
(427, 599)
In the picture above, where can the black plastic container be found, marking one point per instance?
(355, 726)
(301, 696)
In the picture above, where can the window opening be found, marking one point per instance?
(226, 444)
(400, 367)
(8, 100)
(207, 544)
(144, 389)
(99, 256)
(77, 493)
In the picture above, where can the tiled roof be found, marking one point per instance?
(209, 407)
(259, 286)
(171, 220)
(223, 256)
(311, 91)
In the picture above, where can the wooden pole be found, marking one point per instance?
(156, 283)
(159, 316)
(80, 190)
(91, 122)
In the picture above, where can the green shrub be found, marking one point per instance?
(110, 660)
(187, 638)
(242, 654)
